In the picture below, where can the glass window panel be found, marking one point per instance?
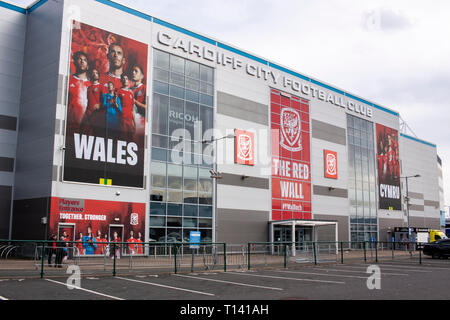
(190, 197)
(158, 194)
(157, 233)
(160, 87)
(192, 69)
(190, 178)
(174, 235)
(174, 210)
(159, 154)
(177, 79)
(206, 74)
(192, 96)
(156, 221)
(176, 115)
(160, 117)
(176, 92)
(190, 222)
(173, 222)
(161, 59)
(174, 176)
(205, 211)
(350, 123)
(174, 196)
(205, 198)
(177, 64)
(207, 100)
(190, 211)
(206, 116)
(158, 174)
(161, 75)
(206, 235)
(157, 208)
(205, 223)
(206, 88)
(160, 141)
(190, 118)
(192, 84)
(205, 181)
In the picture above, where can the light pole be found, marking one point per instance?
(407, 203)
(215, 175)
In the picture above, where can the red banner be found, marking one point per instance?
(82, 219)
(291, 174)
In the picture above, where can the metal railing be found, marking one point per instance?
(40, 258)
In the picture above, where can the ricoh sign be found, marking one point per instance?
(259, 71)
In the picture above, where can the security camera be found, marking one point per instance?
(117, 193)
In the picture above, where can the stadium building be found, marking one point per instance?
(112, 120)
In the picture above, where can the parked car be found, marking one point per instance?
(437, 249)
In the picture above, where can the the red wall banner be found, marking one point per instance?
(291, 170)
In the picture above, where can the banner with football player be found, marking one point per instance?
(291, 174)
(388, 168)
(92, 223)
(106, 108)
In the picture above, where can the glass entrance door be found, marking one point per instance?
(282, 234)
(303, 237)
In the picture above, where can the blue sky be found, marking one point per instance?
(395, 53)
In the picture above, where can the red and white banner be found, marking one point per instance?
(244, 147)
(330, 164)
(291, 170)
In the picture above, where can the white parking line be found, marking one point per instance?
(393, 269)
(90, 291)
(230, 282)
(409, 267)
(354, 271)
(321, 274)
(167, 287)
(284, 278)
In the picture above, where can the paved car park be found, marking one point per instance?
(397, 280)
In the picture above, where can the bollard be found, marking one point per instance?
(365, 254)
(42, 260)
(315, 253)
(114, 260)
(376, 251)
(285, 256)
(342, 252)
(248, 255)
(224, 257)
(175, 257)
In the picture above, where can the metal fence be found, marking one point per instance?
(286, 254)
(49, 258)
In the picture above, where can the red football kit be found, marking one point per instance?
(108, 77)
(140, 94)
(127, 99)
(77, 101)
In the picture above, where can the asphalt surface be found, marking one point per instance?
(398, 280)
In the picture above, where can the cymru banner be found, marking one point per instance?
(291, 174)
(388, 168)
(106, 108)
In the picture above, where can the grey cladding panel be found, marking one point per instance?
(240, 108)
(8, 123)
(249, 182)
(325, 191)
(5, 210)
(6, 164)
(430, 203)
(324, 131)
